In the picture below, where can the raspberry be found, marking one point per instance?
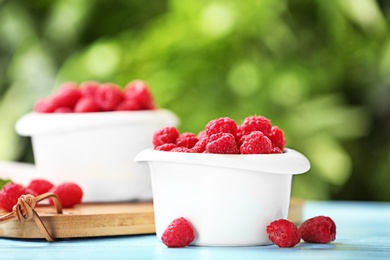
(40, 186)
(255, 143)
(202, 134)
(187, 140)
(69, 194)
(88, 88)
(9, 195)
(45, 105)
(320, 229)
(221, 125)
(138, 91)
(63, 110)
(166, 147)
(179, 233)
(283, 233)
(276, 150)
(223, 143)
(128, 105)
(182, 149)
(32, 192)
(67, 95)
(200, 146)
(108, 96)
(255, 123)
(166, 135)
(277, 137)
(85, 105)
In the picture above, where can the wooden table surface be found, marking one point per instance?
(363, 232)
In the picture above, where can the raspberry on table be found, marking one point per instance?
(40, 186)
(69, 193)
(179, 233)
(222, 143)
(138, 91)
(108, 96)
(221, 125)
(283, 233)
(277, 137)
(187, 140)
(320, 229)
(255, 143)
(166, 135)
(10, 194)
(255, 123)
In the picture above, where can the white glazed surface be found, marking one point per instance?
(229, 199)
(95, 150)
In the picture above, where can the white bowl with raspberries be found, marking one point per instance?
(229, 181)
(90, 133)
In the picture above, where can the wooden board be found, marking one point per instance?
(86, 220)
(99, 220)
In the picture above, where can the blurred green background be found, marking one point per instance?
(317, 68)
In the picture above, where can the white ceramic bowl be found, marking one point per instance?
(229, 199)
(95, 150)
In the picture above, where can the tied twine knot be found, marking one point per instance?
(23, 210)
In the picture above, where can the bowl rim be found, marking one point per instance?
(34, 123)
(288, 162)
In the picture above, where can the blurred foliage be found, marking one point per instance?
(316, 68)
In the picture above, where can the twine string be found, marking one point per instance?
(23, 210)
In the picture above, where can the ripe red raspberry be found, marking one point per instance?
(108, 96)
(63, 110)
(70, 194)
(255, 123)
(200, 146)
(128, 105)
(223, 143)
(320, 229)
(283, 233)
(88, 88)
(276, 150)
(86, 105)
(182, 149)
(221, 125)
(187, 140)
(166, 135)
(202, 134)
(67, 95)
(255, 143)
(138, 91)
(179, 233)
(9, 195)
(277, 137)
(166, 147)
(40, 186)
(45, 105)
(32, 192)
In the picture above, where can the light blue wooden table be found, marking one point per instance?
(363, 232)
